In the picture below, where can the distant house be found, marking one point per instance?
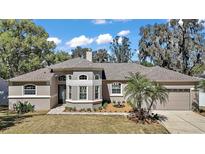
(3, 92)
(202, 92)
(81, 83)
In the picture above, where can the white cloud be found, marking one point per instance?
(120, 40)
(99, 21)
(56, 40)
(123, 33)
(79, 41)
(104, 38)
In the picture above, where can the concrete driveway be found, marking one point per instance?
(183, 122)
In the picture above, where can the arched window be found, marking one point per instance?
(62, 78)
(97, 77)
(82, 77)
(29, 90)
(116, 88)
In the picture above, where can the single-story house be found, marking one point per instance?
(81, 83)
(3, 92)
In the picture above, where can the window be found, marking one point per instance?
(116, 88)
(82, 77)
(70, 92)
(69, 77)
(29, 90)
(97, 77)
(83, 92)
(62, 78)
(97, 92)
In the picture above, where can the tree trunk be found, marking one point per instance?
(150, 106)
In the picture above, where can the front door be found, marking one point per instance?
(61, 94)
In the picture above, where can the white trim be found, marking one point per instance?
(82, 79)
(30, 96)
(84, 82)
(83, 101)
(98, 91)
(118, 95)
(98, 77)
(114, 94)
(78, 92)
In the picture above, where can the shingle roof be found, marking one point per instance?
(119, 71)
(76, 63)
(161, 74)
(43, 74)
(112, 71)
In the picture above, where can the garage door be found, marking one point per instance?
(179, 99)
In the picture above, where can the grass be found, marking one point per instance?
(40, 123)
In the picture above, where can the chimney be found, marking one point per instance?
(89, 55)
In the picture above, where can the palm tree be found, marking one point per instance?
(156, 93)
(136, 90)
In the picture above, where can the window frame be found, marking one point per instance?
(69, 92)
(98, 92)
(79, 93)
(30, 90)
(82, 75)
(116, 88)
(62, 76)
(97, 75)
(69, 77)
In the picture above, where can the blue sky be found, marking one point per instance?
(68, 33)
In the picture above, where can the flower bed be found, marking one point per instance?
(105, 108)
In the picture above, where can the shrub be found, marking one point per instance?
(100, 108)
(89, 109)
(114, 102)
(68, 108)
(82, 110)
(95, 110)
(23, 107)
(105, 105)
(131, 104)
(74, 109)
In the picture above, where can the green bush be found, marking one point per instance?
(89, 109)
(105, 105)
(68, 108)
(131, 104)
(83, 110)
(74, 109)
(95, 110)
(100, 108)
(23, 107)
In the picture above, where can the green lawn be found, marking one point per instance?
(40, 123)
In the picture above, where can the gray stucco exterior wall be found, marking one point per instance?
(43, 100)
(53, 92)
